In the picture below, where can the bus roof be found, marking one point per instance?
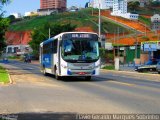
(57, 36)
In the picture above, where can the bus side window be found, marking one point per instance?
(44, 49)
(55, 46)
(47, 48)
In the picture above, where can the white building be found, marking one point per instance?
(18, 49)
(104, 4)
(120, 9)
(155, 19)
(142, 3)
(17, 15)
(48, 11)
(33, 13)
(27, 13)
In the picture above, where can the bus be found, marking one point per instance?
(71, 54)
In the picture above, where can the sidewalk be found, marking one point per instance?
(127, 68)
(35, 62)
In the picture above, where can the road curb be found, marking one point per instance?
(131, 72)
(10, 79)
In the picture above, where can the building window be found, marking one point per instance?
(15, 49)
(9, 49)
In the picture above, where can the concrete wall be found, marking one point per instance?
(144, 57)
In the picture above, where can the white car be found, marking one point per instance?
(158, 67)
(149, 66)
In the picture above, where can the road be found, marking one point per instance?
(111, 92)
(122, 24)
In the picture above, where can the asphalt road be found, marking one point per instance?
(111, 92)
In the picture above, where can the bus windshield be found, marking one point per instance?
(80, 50)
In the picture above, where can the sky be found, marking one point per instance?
(22, 6)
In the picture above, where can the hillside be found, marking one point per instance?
(83, 18)
(146, 10)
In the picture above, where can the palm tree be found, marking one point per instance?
(4, 1)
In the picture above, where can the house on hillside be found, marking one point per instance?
(104, 4)
(155, 22)
(52, 6)
(17, 42)
(120, 9)
(142, 3)
(73, 9)
(17, 15)
(33, 13)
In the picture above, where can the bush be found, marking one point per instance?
(109, 67)
(14, 57)
(146, 38)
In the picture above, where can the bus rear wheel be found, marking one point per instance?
(88, 78)
(56, 75)
(44, 71)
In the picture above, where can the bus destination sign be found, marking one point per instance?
(81, 36)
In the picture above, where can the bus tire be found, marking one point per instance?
(56, 75)
(88, 78)
(44, 71)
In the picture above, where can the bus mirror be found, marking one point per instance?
(99, 43)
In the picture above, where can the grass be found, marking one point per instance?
(82, 18)
(14, 57)
(4, 78)
(147, 21)
(146, 10)
(109, 67)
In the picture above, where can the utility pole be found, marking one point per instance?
(114, 37)
(114, 43)
(145, 30)
(99, 31)
(118, 41)
(21, 42)
(49, 33)
(136, 45)
(92, 6)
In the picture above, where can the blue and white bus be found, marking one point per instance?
(71, 54)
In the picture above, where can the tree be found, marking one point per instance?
(4, 23)
(12, 18)
(4, 1)
(38, 35)
(155, 3)
(133, 5)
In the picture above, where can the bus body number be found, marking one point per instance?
(46, 60)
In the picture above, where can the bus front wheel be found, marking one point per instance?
(88, 78)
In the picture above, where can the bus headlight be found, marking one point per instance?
(69, 72)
